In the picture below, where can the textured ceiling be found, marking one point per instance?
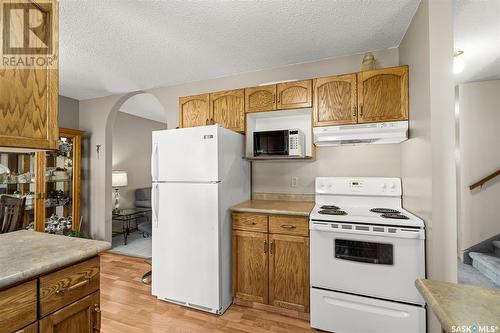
(145, 106)
(477, 33)
(109, 47)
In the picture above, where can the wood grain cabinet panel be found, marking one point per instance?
(289, 225)
(249, 222)
(250, 266)
(260, 99)
(383, 95)
(29, 102)
(67, 285)
(18, 307)
(194, 111)
(335, 100)
(227, 108)
(289, 272)
(293, 95)
(82, 316)
(33, 328)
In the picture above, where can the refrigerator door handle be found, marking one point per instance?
(155, 204)
(154, 161)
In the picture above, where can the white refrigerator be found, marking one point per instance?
(198, 174)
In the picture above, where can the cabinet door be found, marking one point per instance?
(228, 109)
(289, 272)
(29, 96)
(335, 100)
(194, 110)
(293, 95)
(383, 95)
(250, 266)
(83, 316)
(258, 99)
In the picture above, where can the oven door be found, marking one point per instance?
(271, 143)
(377, 261)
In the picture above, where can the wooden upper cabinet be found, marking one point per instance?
(194, 110)
(29, 96)
(289, 272)
(335, 100)
(250, 266)
(293, 95)
(259, 99)
(383, 95)
(227, 108)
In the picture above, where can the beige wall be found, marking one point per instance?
(427, 159)
(68, 112)
(132, 152)
(479, 144)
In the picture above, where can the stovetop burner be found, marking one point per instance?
(385, 211)
(330, 207)
(332, 212)
(395, 216)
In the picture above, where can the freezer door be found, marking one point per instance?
(186, 244)
(347, 313)
(185, 155)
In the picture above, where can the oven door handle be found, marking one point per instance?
(398, 232)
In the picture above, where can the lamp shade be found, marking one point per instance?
(119, 179)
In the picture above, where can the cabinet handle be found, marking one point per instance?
(271, 247)
(73, 287)
(288, 226)
(249, 223)
(361, 110)
(265, 246)
(279, 99)
(97, 323)
(207, 122)
(354, 111)
(274, 98)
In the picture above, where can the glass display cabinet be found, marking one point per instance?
(50, 182)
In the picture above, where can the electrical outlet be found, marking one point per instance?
(294, 182)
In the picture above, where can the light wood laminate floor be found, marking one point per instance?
(128, 307)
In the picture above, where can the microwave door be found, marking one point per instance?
(271, 143)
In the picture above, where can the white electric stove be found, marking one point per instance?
(366, 253)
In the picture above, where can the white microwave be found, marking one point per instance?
(290, 142)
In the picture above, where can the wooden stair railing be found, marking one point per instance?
(484, 180)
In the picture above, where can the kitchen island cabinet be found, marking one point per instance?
(49, 283)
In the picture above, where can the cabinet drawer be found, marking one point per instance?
(33, 328)
(289, 225)
(250, 222)
(18, 307)
(68, 285)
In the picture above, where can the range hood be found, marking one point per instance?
(375, 133)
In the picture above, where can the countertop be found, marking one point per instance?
(299, 208)
(27, 254)
(462, 305)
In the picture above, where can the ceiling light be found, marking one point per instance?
(458, 62)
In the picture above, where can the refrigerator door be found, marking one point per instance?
(186, 262)
(185, 155)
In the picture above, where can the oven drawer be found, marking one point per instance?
(250, 222)
(345, 313)
(289, 225)
(68, 285)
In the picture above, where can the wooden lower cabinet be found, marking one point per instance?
(33, 328)
(82, 316)
(250, 266)
(289, 272)
(63, 301)
(271, 265)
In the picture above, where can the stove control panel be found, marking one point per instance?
(377, 186)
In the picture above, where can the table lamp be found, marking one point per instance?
(118, 179)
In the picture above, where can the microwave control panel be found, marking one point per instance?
(294, 143)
